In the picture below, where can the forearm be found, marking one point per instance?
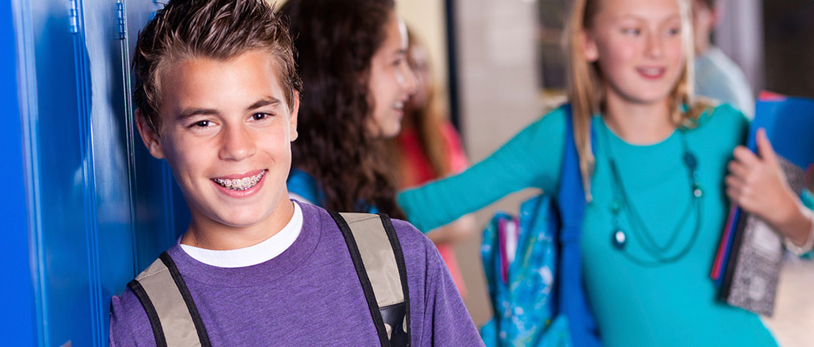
(441, 202)
(531, 159)
(797, 225)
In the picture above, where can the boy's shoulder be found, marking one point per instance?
(128, 320)
(421, 257)
(410, 238)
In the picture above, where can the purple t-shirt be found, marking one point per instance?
(307, 296)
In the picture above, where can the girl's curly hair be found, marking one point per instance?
(335, 41)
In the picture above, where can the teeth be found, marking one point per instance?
(241, 183)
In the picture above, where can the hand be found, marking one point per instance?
(757, 185)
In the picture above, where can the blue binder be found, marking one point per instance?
(789, 125)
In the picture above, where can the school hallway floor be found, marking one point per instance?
(793, 320)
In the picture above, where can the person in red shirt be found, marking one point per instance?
(429, 147)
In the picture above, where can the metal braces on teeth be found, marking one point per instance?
(240, 184)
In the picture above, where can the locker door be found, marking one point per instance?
(161, 212)
(17, 323)
(60, 217)
(99, 208)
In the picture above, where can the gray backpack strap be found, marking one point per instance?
(379, 262)
(173, 315)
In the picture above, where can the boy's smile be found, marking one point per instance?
(226, 134)
(241, 182)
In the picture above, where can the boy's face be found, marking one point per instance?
(226, 134)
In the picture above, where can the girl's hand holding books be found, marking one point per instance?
(757, 184)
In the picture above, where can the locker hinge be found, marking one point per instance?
(74, 18)
(120, 26)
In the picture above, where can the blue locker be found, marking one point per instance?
(89, 208)
(17, 322)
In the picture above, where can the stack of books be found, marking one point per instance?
(750, 254)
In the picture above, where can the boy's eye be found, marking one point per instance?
(397, 62)
(260, 116)
(201, 124)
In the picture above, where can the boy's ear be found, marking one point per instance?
(149, 136)
(589, 47)
(292, 120)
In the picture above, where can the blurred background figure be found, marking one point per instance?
(716, 75)
(429, 147)
(629, 73)
(351, 57)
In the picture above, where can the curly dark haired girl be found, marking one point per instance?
(351, 57)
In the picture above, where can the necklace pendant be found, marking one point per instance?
(619, 239)
(697, 191)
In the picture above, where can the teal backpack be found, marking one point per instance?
(537, 297)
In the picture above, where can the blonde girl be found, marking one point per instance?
(654, 178)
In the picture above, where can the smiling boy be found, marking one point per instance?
(217, 97)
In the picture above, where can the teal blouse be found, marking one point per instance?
(669, 305)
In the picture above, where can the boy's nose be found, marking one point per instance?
(236, 143)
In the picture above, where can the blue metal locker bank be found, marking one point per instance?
(85, 207)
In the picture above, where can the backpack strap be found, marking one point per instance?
(571, 204)
(379, 262)
(173, 315)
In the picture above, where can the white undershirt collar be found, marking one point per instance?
(252, 255)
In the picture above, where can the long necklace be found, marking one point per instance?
(660, 254)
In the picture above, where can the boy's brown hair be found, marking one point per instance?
(213, 29)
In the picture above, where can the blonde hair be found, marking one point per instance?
(585, 82)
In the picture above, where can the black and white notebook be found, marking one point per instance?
(751, 283)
